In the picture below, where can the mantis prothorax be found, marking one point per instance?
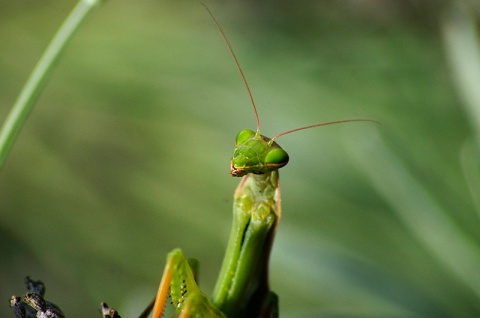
(242, 287)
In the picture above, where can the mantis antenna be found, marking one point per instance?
(238, 66)
(251, 96)
(324, 124)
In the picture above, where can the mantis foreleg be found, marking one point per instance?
(242, 285)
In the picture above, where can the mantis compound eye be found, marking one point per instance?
(243, 136)
(276, 158)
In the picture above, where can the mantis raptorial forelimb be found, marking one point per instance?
(178, 282)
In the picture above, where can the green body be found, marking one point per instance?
(242, 286)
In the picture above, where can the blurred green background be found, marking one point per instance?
(126, 154)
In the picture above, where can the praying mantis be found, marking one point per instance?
(242, 288)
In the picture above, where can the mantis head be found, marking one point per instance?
(256, 154)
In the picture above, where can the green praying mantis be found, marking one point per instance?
(242, 288)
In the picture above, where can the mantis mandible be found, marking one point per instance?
(242, 287)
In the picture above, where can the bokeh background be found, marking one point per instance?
(126, 154)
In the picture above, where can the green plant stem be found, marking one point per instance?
(40, 74)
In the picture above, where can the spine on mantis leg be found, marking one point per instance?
(242, 287)
(178, 280)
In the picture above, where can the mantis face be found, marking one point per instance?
(256, 154)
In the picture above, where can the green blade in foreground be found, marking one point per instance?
(37, 80)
